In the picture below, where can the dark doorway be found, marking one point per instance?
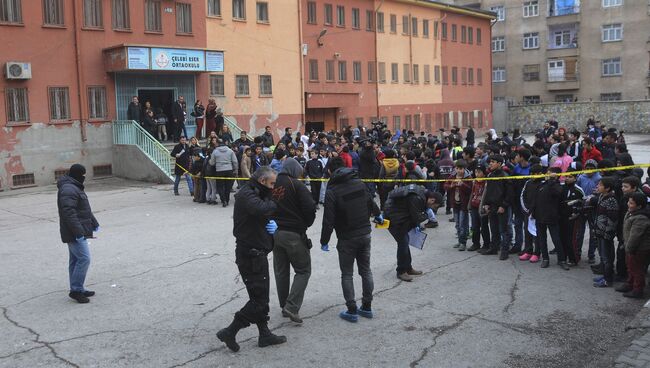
(317, 126)
(159, 99)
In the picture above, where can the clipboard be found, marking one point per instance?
(417, 238)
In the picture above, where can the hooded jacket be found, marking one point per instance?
(606, 215)
(296, 209)
(368, 164)
(76, 218)
(389, 168)
(224, 159)
(546, 209)
(636, 231)
(348, 207)
(253, 210)
(406, 207)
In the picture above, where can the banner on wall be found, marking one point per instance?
(145, 58)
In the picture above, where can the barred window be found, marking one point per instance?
(397, 123)
(241, 83)
(414, 26)
(11, 11)
(216, 85)
(340, 15)
(266, 85)
(425, 28)
(17, 105)
(343, 71)
(356, 18)
(394, 73)
(405, 24)
(214, 8)
(407, 122)
(93, 14)
(416, 122)
(436, 74)
(121, 19)
(311, 12)
(356, 71)
(329, 70)
(393, 23)
(454, 75)
(53, 12)
(313, 70)
(59, 103)
(407, 73)
(370, 20)
(262, 11)
(445, 75)
(239, 9)
(380, 22)
(97, 102)
(152, 16)
(479, 76)
(372, 72)
(183, 18)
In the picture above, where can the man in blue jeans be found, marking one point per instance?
(77, 223)
(182, 154)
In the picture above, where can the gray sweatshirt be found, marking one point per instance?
(224, 159)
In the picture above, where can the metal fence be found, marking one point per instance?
(128, 132)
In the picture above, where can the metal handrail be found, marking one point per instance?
(235, 130)
(129, 132)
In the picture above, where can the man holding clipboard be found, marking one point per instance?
(406, 208)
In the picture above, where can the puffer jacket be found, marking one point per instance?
(76, 218)
(224, 159)
(636, 231)
(253, 210)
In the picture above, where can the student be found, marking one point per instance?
(522, 168)
(459, 192)
(569, 226)
(314, 170)
(480, 222)
(527, 201)
(497, 203)
(546, 214)
(606, 223)
(636, 230)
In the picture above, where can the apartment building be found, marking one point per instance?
(569, 50)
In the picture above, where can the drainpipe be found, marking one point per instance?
(302, 65)
(490, 75)
(80, 99)
(377, 60)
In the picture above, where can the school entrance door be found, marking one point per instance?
(159, 99)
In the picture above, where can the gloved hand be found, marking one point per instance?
(325, 248)
(96, 230)
(418, 228)
(379, 219)
(271, 227)
(430, 214)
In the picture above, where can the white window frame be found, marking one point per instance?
(531, 9)
(612, 3)
(501, 12)
(530, 41)
(499, 74)
(499, 44)
(561, 36)
(612, 32)
(612, 67)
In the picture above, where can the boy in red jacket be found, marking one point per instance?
(459, 192)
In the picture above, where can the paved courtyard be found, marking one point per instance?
(163, 269)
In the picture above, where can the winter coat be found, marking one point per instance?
(406, 207)
(477, 194)
(446, 164)
(314, 168)
(498, 193)
(636, 231)
(224, 159)
(470, 137)
(348, 207)
(253, 210)
(570, 192)
(133, 112)
(606, 215)
(594, 154)
(267, 139)
(76, 218)
(245, 167)
(347, 159)
(368, 164)
(182, 161)
(546, 208)
(178, 112)
(588, 184)
(459, 192)
(296, 209)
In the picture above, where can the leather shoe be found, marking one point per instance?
(404, 276)
(414, 272)
(292, 316)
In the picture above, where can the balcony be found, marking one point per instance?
(563, 82)
(563, 11)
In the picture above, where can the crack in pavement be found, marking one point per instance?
(513, 289)
(233, 297)
(29, 216)
(438, 332)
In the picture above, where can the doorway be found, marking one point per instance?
(316, 126)
(159, 99)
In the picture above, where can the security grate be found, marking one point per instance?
(102, 170)
(59, 173)
(22, 180)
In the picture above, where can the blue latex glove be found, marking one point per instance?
(379, 219)
(325, 248)
(96, 230)
(271, 227)
(430, 214)
(418, 229)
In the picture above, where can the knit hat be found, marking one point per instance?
(591, 164)
(435, 195)
(77, 172)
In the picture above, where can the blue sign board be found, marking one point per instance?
(138, 57)
(214, 61)
(177, 59)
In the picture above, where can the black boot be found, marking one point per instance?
(228, 335)
(267, 338)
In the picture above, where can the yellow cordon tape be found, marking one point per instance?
(517, 177)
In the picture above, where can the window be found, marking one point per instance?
(370, 20)
(435, 29)
(241, 85)
(531, 72)
(479, 36)
(612, 67)
(343, 71)
(563, 98)
(501, 12)
(217, 85)
(394, 73)
(356, 71)
(183, 18)
(382, 72)
(611, 96)
(427, 123)
(470, 35)
(425, 28)
(439, 120)
(445, 77)
(563, 39)
(329, 70)
(97, 103)
(92, 13)
(59, 103)
(416, 73)
(443, 25)
(262, 12)
(17, 105)
(531, 9)
(470, 76)
(407, 122)
(612, 32)
(343, 123)
(372, 72)
(610, 3)
(311, 12)
(380, 22)
(397, 124)
(359, 121)
(427, 74)
(436, 74)
(356, 19)
(445, 120)
(266, 85)
(152, 16)
(53, 13)
(407, 73)
(498, 74)
(11, 11)
(393, 23)
(120, 15)
(414, 26)
(454, 33)
(531, 41)
(463, 76)
(239, 12)
(405, 24)
(531, 100)
(479, 76)
(214, 8)
(340, 16)
(313, 70)
(463, 34)
(454, 75)
(329, 16)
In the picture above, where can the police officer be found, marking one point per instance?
(253, 231)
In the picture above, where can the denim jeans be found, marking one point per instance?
(188, 179)
(350, 250)
(461, 218)
(607, 253)
(554, 229)
(78, 264)
(501, 237)
(401, 236)
(480, 228)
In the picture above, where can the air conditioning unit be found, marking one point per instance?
(18, 70)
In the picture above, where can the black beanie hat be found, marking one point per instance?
(77, 172)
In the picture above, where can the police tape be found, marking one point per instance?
(487, 178)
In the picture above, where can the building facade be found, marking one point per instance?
(569, 50)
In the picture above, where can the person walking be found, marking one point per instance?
(296, 212)
(348, 208)
(76, 224)
(253, 230)
(182, 154)
(226, 166)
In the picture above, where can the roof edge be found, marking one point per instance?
(452, 8)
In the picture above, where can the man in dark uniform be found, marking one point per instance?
(253, 231)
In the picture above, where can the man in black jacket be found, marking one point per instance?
(296, 212)
(348, 207)
(368, 165)
(407, 207)
(77, 223)
(546, 213)
(287, 138)
(497, 200)
(267, 137)
(253, 230)
(182, 154)
(178, 118)
(134, 112)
